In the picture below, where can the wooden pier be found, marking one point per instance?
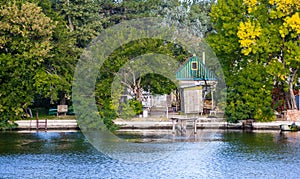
(181, 124)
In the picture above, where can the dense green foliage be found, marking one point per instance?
(130, 109)
(82, 18)
(153, 82)
(251, 35)
(256, 41)
(37, 57)
(250, 96)
(41, 41)
(25, 43)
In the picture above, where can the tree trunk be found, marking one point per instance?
(71, 26)
(63, 101)
(290, 100)
(138, 90)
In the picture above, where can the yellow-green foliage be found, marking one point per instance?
(27, 22)
(251, 4)
(265, 33)
(248, 32)
(291, 25)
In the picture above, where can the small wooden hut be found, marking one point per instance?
(195, 81)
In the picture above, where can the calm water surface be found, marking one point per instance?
(215, 154)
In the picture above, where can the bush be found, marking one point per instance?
(131, 108)
(6, 124)
(249, 95)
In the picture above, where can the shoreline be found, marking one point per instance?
(150, 123)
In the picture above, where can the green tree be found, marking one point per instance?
(191, 14)
(225, 17)
(83, 18)
(54, 78)
(25, 43)
(115, 12)
(250, 96)
(257, 32)
(271, 34)
(127, 53)
(38, 56)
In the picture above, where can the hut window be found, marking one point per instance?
(194, 66)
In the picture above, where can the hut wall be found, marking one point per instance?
(192, 100)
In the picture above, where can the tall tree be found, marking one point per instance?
(272, 33)
(55, 76)
(188, 14)
(25, 43)
(263, 32)
(226, 17)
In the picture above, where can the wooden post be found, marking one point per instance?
(173, 125)
(212, 100)
(46, 120)
(180, 124)
(37, 120)
(184, 125)
(195, 126)
(167, 112)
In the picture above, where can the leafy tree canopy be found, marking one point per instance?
(25, 43)
(37, 56)
(258, 32)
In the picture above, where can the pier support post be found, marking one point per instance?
(37, 120)
(173, 125)
(195, 126)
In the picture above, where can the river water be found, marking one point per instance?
(216, 154)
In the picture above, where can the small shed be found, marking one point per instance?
(195, 79)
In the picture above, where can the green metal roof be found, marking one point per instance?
(194, 70)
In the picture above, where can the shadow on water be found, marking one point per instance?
(57, 142)
(43, 142)
(280, 147)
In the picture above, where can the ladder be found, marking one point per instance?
(40, 124)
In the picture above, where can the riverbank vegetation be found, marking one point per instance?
(257, 43)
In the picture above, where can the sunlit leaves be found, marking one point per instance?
(261, 32)
(251, 4)
(284, 7)
(25, 29)
(248, 32)
(291, 25)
